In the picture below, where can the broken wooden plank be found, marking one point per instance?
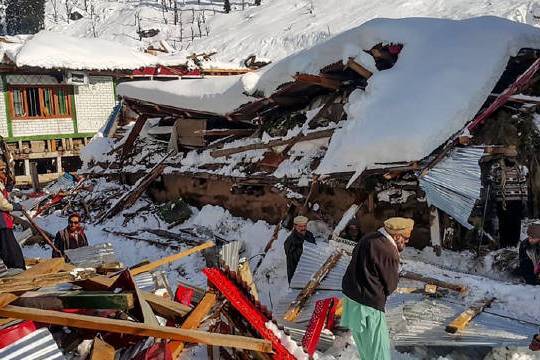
(320, 80)
(247, 276)
(40, 231)
(102, 351)
(310, 136)
(225, 132)
(171, 258)
(463, 319)
(130, 197)
(165, 307)
(133, 328)
(419, 277)
(47, 266)
(359, 69)
(14, 283)
(6, 299)
(193, 321)
(310, 288)
(76, 300)
(127, 146)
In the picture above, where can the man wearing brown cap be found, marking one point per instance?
(371, 277)
(294, 244)
(529, 255)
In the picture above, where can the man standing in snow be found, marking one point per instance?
(72, 237)
(529, 255)
(10, 250)
(371, 277)
(294, 244)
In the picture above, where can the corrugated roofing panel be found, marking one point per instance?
(454, 184)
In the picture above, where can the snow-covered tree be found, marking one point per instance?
(227, 6)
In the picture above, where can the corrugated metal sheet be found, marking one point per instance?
(152, 282)
(454, 184)
(230, 255)
(311, 261)
(92, 256)
(423, 322)
(38, 345)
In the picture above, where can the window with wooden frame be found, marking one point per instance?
(38, 102)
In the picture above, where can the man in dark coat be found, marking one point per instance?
(529, 255)
(10, 250)
(371, 277)
(71, 237)
(294, 244)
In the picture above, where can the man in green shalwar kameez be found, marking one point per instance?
(371, 277)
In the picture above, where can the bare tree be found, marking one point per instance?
(164, 11)
(175, 12)
(54, 4)
(69, 7)
(93, 17)
(181, 23)
(138, 24)
(85, 4)
(199, 23)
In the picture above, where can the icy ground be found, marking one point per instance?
(517, 300)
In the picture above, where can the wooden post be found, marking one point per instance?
(419, 277)
(435, 229)
(34, 177)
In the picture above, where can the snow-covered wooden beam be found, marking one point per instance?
(320, 80)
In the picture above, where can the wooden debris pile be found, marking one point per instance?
(78, 312)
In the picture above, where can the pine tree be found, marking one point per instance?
(227, 6)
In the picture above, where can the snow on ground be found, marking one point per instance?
(516, 300)
(42, 50)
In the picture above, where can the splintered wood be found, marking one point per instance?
(310, 288)
(463, 320)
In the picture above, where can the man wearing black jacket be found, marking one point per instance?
(371, 277)
(294, 244)
(529, 255)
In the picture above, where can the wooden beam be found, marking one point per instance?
(310, 136)
(133, 328)
(247, 276)
(359, 69)
(319, 80)
(48, 266)
(224, 132)
(171, 258)
(463, 320)
(102, 351)
(12, 284)
(130, 197)
(6, 299)
(193, 321)
(310, 288)
(127, 146)
(76, 300)
(419, 277)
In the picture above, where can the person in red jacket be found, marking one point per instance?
(10, 250)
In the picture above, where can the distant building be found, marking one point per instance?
(55, 98)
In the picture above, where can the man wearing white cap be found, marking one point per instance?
(371, 277)
(294, 245)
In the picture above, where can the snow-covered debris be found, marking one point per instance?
(50, 50)
(438, 84)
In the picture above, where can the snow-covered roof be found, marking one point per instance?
(444, 73)
(216, 95)
(50, 50)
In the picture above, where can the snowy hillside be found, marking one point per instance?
(273, 30)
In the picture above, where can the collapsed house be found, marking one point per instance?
(57, 93)
(350, 130)
(355, 121)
